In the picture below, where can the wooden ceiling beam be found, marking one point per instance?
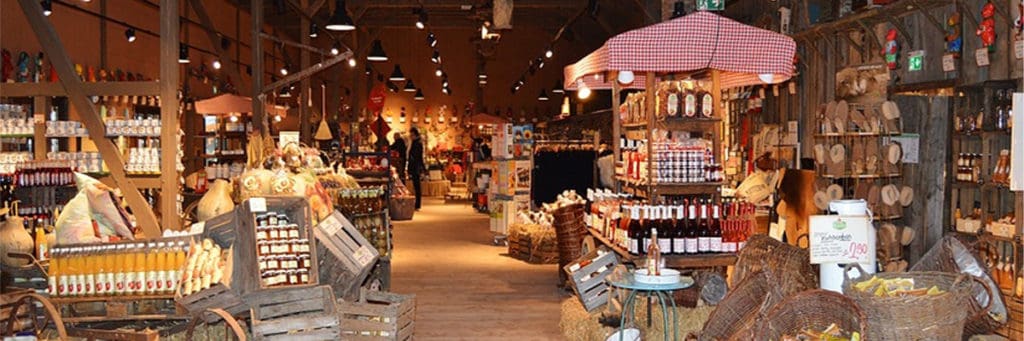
(214, 37)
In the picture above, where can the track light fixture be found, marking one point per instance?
(548, 53)
(47, 7)
(313, 30)
(335, 49)
(436, 57)
(340, 21)
(409, 86)
(129, 34)
(284, 70)
(421, 20)
(351, 62)
(431, 39)
(438, 72)
(183, 54)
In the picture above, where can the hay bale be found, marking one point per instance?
(577, 324)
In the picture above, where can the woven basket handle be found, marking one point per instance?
(988, 291)
(851, 266)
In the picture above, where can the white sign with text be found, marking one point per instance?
(841, 239)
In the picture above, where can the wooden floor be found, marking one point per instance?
(466, 288)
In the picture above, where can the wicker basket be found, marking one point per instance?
(402, 208)
(569, 231)
(951, 255)
(814, 309)
(789, 264)
(735, 318)
(939, 317)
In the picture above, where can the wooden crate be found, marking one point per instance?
(216, 296)
(305, 313)
(378, 316)
(587, 275)
(246, 275)
(345, 258)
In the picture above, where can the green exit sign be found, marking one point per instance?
(710, 5)
(915, 60)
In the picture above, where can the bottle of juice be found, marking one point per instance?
(179, 264)
(120, 277)
(150, 268)
(101, 271)
(78, 278)
(89, 268)
(128, 270)
(140, 268)
(55, 273)
(110, 264)
(42, 249)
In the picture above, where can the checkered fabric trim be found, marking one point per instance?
(700, 40)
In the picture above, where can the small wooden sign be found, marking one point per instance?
(1018, 48)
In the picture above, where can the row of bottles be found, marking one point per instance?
(968, 167)
(999, 119)
(684, 100)
(117, 269)
(688, 226)
(634, 109)
(44, 173)
(14, 120)
(685, 161)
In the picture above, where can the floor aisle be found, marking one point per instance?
(466, 288)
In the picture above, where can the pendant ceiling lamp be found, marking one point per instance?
(397, 75)
(436, 57)
(130, 34)
(313, 30)
(377, 52)
(558, 88)
(340, 21)
(183, 54)
(419, 95)
(543, 96)
(409, 86)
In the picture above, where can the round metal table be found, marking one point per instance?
(663, 292)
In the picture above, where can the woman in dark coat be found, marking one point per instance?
(398, 150)
(416, 165)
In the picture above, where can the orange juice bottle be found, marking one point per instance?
(178, 265)
(129, 269)
(165, 259)
(100, 265)
(74, 275)
(55, 273)
(88, 263)
(149, 267)
(140, 268)
(110, 264)
(120, 272)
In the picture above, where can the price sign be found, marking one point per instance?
(981, 56)
(332, 224)
(948, 62)
(363, 255)
(197, 228)
(286, 137)
(841, 239)
(1018, 48)
(258, 204)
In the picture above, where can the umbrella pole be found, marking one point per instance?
(616, 126)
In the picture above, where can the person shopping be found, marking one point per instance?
(416, 166)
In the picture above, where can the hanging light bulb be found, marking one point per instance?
(340, 21)
(583, 93)
(284, 70)
(431, 39)
(392, 86)
(313, 30)
(284, 93)
(421, 21)
(277, 118)
(436, 57)
(129, 34)
(549, 53)
(233, 118)
(558, 88)
(418, 96)
(444, 81)
(351, 62)
(377, 52)
(438, 72)
(183, 54)
(396, 74)
(335, 49)
(409, 86)
(543, 95)
(47, 7)
(216, 64)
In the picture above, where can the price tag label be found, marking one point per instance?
(40, 119)
(835, 239)
(1018, 48)
(197, 228)
(981, 56)
(948, 62)
(258, 204)
(363, 255)
(331, 225)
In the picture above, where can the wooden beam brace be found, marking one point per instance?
(259, 116)
(169, 78)
(928, 15)
(73, 86)
(899, 27)
(292, 78)
(315, 7)
(846, 36)
(967, 13)
(871, 31)
(292, 43)
(1001, 11)
(214, 37)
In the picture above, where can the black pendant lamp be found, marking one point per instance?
(543, 95)
(183, 54)
(431, 39)
(377, 52)
(130, 34)
(409, 86)
(340, 21)
(558, 88)
(418, 96)
(397, 75)
(47, 7)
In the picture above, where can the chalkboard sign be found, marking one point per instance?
(841, 239)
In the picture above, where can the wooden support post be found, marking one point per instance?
(650, 87)
(716, 95)
(169, 78)
(259, 117)
(54, 48)
(616, 124)
(40, 108)
(305, 129)
(899, 27)
(871, 31)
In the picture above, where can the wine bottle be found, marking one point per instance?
(634, 230)
(716, 229)
(692, 238)
(704, 237)
(665, 244)
(679, 239)
(654, 254)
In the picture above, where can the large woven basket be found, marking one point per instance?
(939, 317)
(789, 264)
(814, 309)
(569, 231)
(951, 255)
(735, 317)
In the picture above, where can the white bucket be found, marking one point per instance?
(831, 274)
(628, 334)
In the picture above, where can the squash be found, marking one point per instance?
(216, 201)
(14, 238)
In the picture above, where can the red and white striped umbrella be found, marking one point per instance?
(745, 55)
